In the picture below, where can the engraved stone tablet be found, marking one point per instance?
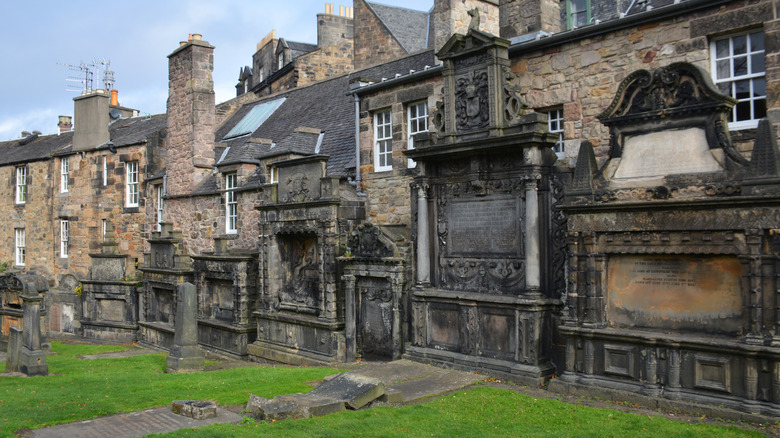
(488, 226)
(666, 153)
(701, 293)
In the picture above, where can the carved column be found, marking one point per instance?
(570, 317)
(672, 389)
(349, 298)
(423, 240)
(751, 386)
(651, 387)
(753, 238)
(397, 286)
(532, 250)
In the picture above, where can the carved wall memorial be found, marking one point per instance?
(301, 223)
(485, 294)
(166, 266)
(227, 285)
(673, 267)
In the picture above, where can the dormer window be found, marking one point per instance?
(280, 60)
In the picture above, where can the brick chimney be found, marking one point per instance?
(452, 16)
(91, 114)
(191, 114)
(520, 17)
(65, 123)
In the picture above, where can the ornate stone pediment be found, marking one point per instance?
(369, 241)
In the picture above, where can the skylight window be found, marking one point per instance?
(254, 118)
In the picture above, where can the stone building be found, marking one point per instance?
(489, 185)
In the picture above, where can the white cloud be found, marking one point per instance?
(44, 120)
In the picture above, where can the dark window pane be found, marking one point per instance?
(740, 44)
(722, 49)
(757, 63)
(740, 66)
(756, 41)
(742, 89)
(725, 88)
(743, 111)
(759, 107)
(724, 69)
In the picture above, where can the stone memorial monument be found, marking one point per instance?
(186, 355)
(32, 359)
(486, 290)
(673, 252)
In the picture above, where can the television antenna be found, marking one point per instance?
(83, 80)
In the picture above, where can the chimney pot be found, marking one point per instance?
(197, 37)
(115, 97)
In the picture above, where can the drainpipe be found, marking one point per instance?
(357, 147)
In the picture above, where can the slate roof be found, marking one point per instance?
(123, 132)
(301, 47)
(408, 26)
(40, 148)
(324, 106)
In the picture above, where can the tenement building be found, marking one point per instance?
(580, 192)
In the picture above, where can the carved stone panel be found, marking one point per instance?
(162, 306)
(444, 326)
(111, 310)
(471, 100)
(375, 320)
(301, 281)
(162, 255)
(498, 333)
(222, 300)
(700, 293)
(485, 226)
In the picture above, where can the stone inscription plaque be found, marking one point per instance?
(488, 226)
(701, 293)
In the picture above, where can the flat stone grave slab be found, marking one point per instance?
(197, 409)
(354, 390)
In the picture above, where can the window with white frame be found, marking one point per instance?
(231, 204)
(131, 184)
(19, 246)
(577, 13)
(280, 60)
(383, 141)
(418, 122)
(64, 232)
(21, 185)
(555, 126)
(160, 194)
(64, 175)
(104, 228)
(274, 175)
(105, 170)
(738, 70)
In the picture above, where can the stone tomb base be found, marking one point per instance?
(298, 340)
(225, 338)
(498, 335)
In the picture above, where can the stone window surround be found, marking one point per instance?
(64, 237)
(21, 184)
(751, 76)
(385, 139)
(19, 246)
(569, 24)
(273, 171)
(131, 184)
(64, 170)
(231, 203)
(411, 119)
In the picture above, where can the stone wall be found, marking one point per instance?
(519, 17)
(373, 42)
(191, 115)
(582, 76)
(388, 200)
(34, 216)
(88, 202)
(452, 16)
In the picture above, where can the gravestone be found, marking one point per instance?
(14, 346)
(185, 355)
(32, 359)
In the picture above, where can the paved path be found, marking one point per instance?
(157, 420)
(408, 381)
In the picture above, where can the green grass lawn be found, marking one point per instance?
(83, 389)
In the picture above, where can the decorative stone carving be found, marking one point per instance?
(471, 100)
(368, 241)
(298, 188)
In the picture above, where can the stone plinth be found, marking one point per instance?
(32, 359)
(185, 355)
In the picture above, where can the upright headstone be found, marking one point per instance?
(185, 354)
(14, 345)
(32, 359)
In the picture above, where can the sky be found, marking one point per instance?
(136, 37)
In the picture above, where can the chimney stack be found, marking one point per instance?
(91, 114)
(192, 115)
(65, 123)
(452, 16)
